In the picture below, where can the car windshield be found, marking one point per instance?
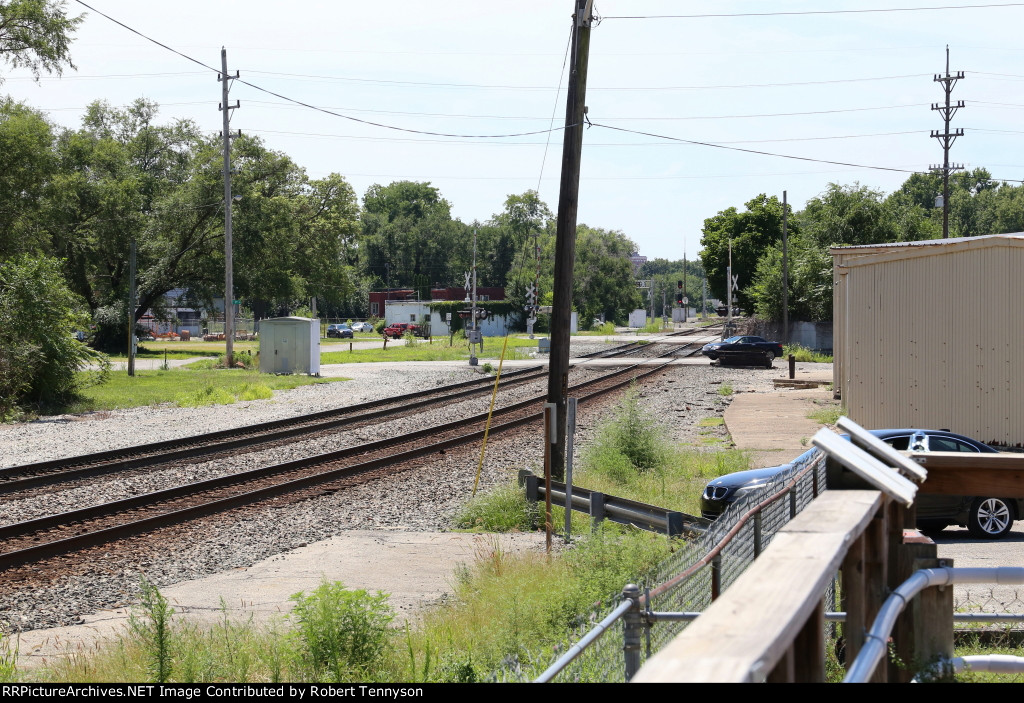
(732, 340)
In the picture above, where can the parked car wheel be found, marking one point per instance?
(771, 356)
(990, 518)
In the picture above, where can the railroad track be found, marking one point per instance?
(49, 536)
(18, 479)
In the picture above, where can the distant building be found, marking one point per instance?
(379, 299)
(638, 262)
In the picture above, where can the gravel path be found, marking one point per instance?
(424, 500)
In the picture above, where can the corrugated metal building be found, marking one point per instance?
(929, 334)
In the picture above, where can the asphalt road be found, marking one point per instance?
(956, 543)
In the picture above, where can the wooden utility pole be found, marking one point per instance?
(565, 232)
(131, 310)
(229, 283)
(785, 272)
(946, 137)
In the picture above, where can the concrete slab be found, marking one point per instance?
(774, 426)
(415, 568)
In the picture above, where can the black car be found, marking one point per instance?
(984, 517)
(341, 331)
(742, 344)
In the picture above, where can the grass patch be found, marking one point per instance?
(438, 350)
(804, 354)
(155, 387)
(725, 389)
(827, 415)
(601, 330)
(502, 510)
(207, 395)
(711, 422)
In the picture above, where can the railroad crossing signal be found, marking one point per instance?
(736, 282)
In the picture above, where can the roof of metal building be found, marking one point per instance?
(952, 241)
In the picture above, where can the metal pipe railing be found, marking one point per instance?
(876, 641)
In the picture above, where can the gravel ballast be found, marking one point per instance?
(423, 500)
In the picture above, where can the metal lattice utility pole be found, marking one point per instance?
(565, 229)
(946, 138)
(229, 282)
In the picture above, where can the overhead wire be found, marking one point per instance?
(792, 13)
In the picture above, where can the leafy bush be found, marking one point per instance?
(344, 634)
(39, 357)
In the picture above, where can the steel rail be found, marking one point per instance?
(248, 436)
(43, 550)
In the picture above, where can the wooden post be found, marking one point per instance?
(854, 599)
(933, 615)
(876, 564)
(912, 548)
(809, 649)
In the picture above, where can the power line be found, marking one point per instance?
(755, 151)
(728, 86)
(313, 107)
(812, 12)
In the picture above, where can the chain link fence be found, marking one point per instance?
(685, 583)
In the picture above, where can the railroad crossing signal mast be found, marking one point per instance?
(946, 138)
(473, 333)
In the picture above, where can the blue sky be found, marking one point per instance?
(852, 87)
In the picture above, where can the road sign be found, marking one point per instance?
(643, 284)
(686, 301)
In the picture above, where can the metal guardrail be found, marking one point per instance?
(601, 506)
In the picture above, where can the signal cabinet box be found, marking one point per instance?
(290, 345)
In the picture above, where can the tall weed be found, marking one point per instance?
(631, 435)
(150, 624)
(8, 660)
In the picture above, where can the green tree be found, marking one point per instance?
(36, 34)
(603, 280)
(408, 231)
(26, 166)
(750, 233)
(39, 356)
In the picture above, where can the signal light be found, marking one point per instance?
(679, 285)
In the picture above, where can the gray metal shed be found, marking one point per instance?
(290, 345)
(928, 334)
